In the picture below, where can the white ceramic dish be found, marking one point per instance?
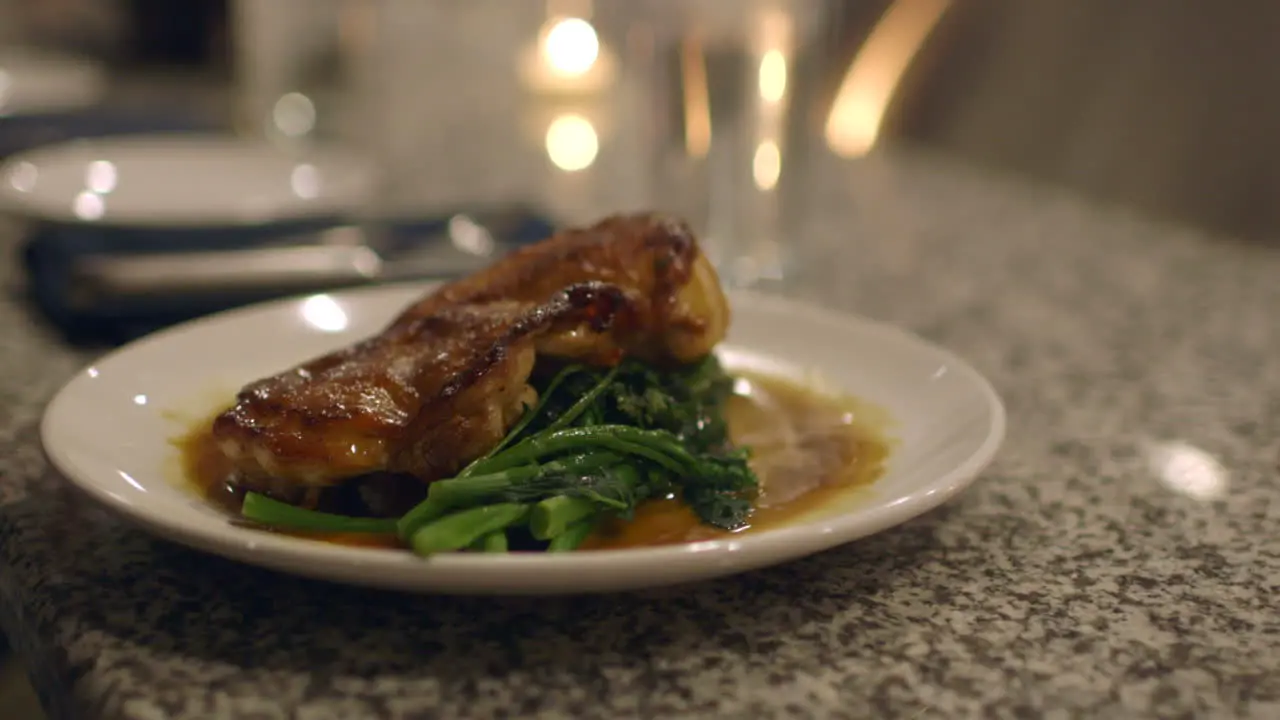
(109, 432)
(180, 181)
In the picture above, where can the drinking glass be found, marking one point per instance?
(734, 83)
(581, 108)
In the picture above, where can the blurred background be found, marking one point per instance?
(557, 111)
(409, 122)
(516, 117)
(1161, 105)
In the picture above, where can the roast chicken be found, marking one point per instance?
(448, 377)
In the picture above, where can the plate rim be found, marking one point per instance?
(291, 554)
(14, 201)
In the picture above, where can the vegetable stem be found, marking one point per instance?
(660, 448)
(419, 515)
(527, 418)
(476, 489)
(458, 492)
(464, 528)
(494, 542)
(267, 511)
(572, 537)
(583, 402)
(552, 516)
(587, 462)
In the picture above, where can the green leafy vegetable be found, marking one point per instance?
(572, 537)
(264, 510)
(494, 542)
(553, 516)
(617, 437)
(465, 527)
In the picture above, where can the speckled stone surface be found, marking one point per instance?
(1120, 559)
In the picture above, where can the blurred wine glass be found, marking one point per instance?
(583, 107)
(736, 84)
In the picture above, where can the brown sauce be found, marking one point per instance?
(206, 470)
(808, 449)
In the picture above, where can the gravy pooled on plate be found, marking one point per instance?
(806, 447)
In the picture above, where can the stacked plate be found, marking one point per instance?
(47, 98)
(96, 207)
(181, 182)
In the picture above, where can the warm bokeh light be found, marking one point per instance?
(324, 313)
(572, 143)
(860, 105)
(100, 176)
(697, 103)
(571, 46)
(294, 114)
(23, 176)
(773, 76)
(304, 181)
(766, 166)
(1187, 470)
(88, 205)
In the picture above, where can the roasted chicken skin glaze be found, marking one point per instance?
(446, 380)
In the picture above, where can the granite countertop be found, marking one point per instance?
(1119, 559)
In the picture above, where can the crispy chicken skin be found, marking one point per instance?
(679, 310)
(448, 377)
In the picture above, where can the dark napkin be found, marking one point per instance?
(51, 253)
(23, 132)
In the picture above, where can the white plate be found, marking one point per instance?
(33, 81)
(180, 181)
(109, 432)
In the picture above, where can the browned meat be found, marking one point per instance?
(681, 312)
(446, 380)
